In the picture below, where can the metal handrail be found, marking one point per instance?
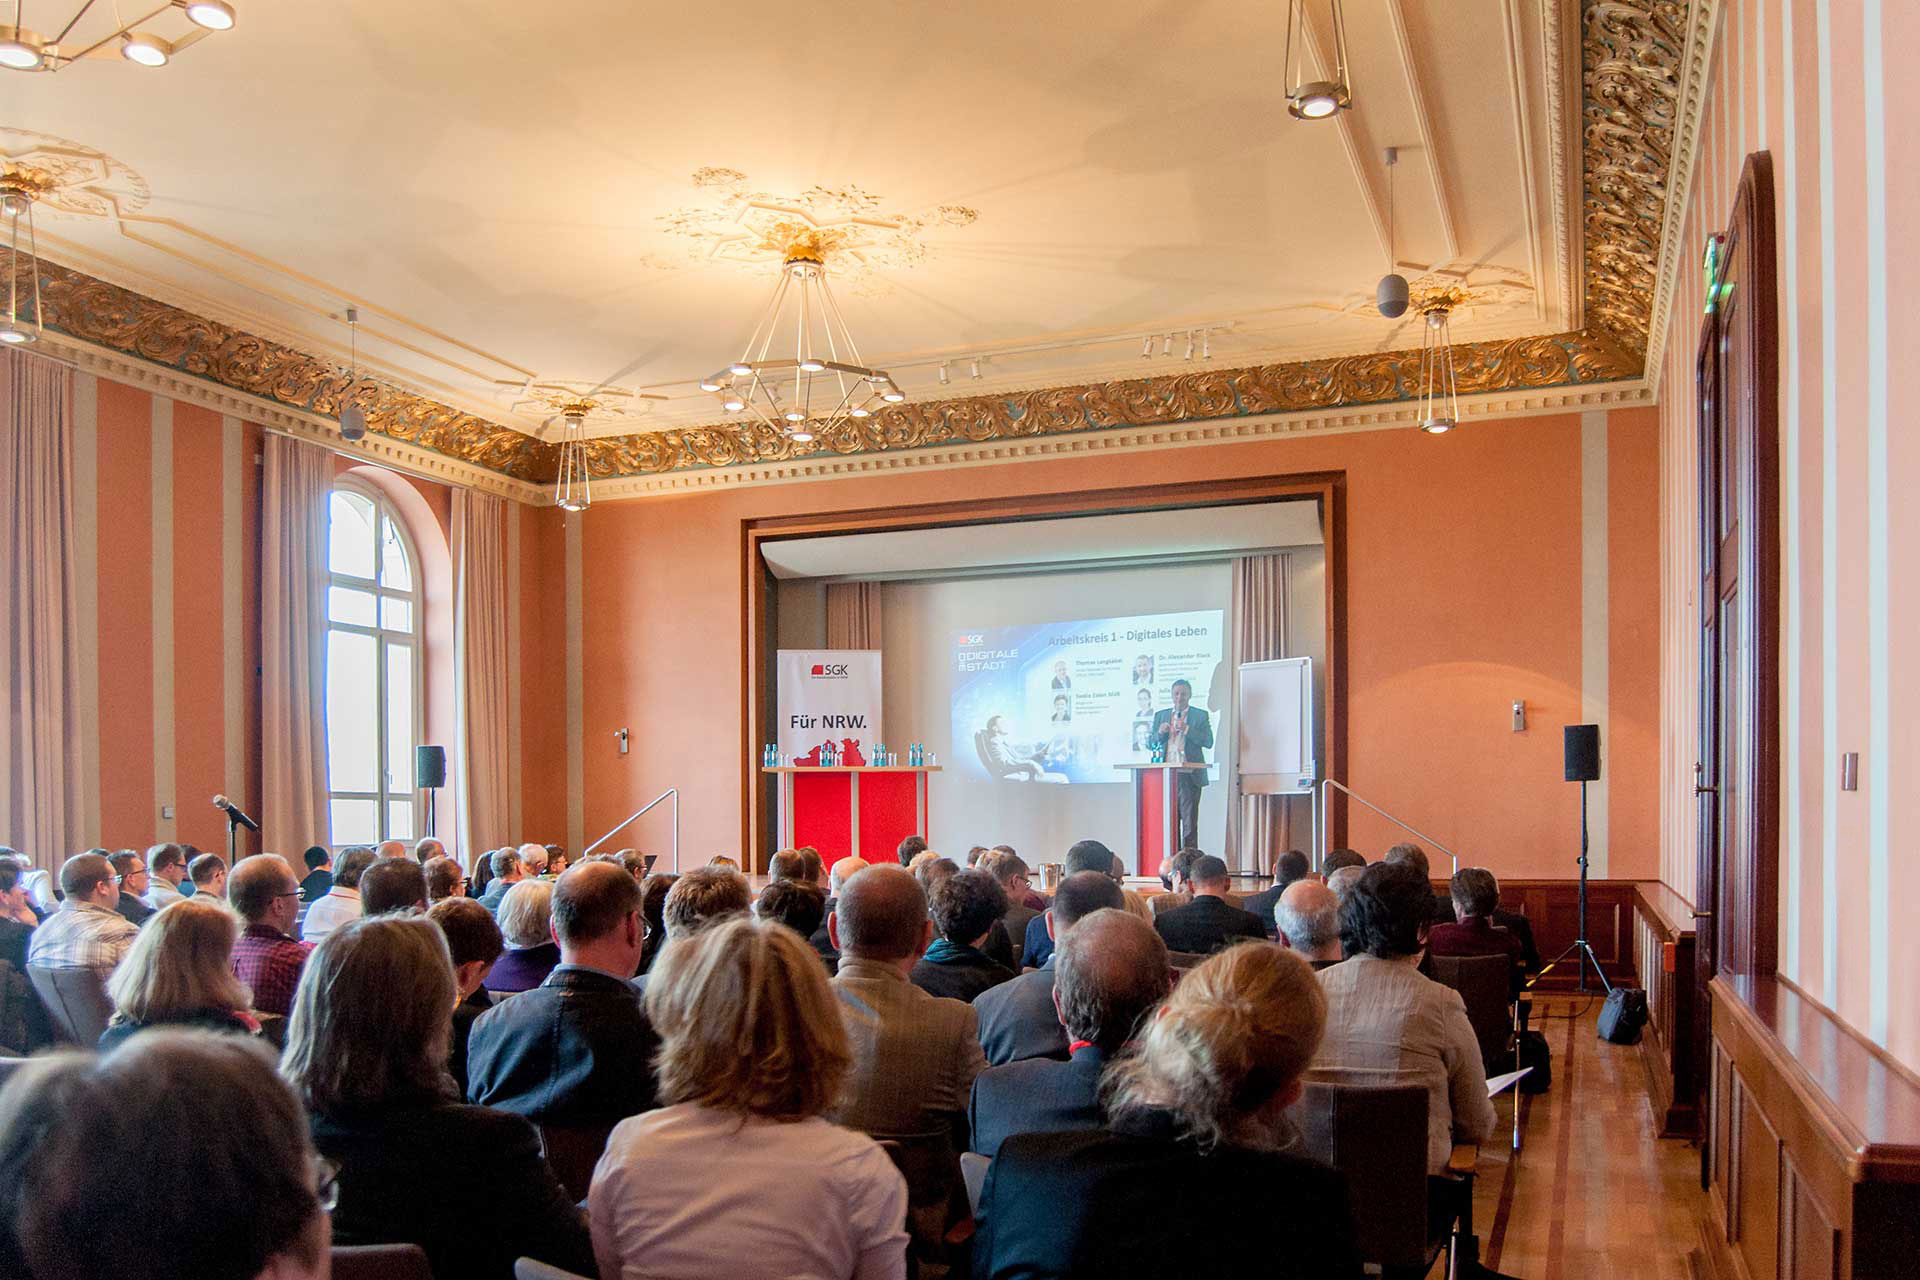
(1320, 822)
(672, 793)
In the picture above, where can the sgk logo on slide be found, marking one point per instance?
(829, 671)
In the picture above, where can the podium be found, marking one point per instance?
(1156, 813)
(843, 809)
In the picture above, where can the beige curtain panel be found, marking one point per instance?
(853, 615)
(296, 482)
(40, 770)
(480, 668)
(1263, 629)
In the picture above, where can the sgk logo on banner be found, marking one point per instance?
(826, 696)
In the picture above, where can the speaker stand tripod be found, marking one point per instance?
(1581, 952)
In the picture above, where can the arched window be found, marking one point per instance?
(374, 681)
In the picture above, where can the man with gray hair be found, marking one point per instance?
(836, 881)
(534, 858)
(1110, 970)
(1308, 918)
(1017, 1018)
(507, 872)
(1342, 880)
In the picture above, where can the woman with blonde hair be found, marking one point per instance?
(179, 973)
(1135, 905)
(526, 922)
(1195, 1134)
(738, 1175)
(367, 1047)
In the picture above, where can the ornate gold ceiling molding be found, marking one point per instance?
(1676, 257)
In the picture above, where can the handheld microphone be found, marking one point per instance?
(232, 810)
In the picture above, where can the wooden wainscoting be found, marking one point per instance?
(1552, 907)
(1664, 959)
(1814, 1144)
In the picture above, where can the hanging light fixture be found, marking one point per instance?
(1390, 295)
(25, 50)
(353, 419)
(20, 187)
(1316, 99)
(822, 384)
(1439, 392)
(573, 490)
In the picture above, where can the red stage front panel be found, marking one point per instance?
(823, 812)
(889, 813)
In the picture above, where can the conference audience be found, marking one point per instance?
(836, 878)
(914, 1055)
(724, 862)
(192, 1132)
(1209, 922)
(1342, 880)
(130, 872)
(266, 958)
(178, 973)
(17, 918)
(473, 944)
(208, 874)
(738, 1175)
(1014, 877)
(86, 932)
(1476, 895)
(1189, 1178)
(1412, 855)
(1017, 1018)
(702, 897)
(341, 903)
(653, 907)
(557, 861)
(965, 907)
(1307, 919)
(507, 872)
(444, 878)
(534, 859)
(167, 867)
(319, 878)
(816, 866)
(786, 864)
(910, 848)
(1288, 868)
(526, 922)
(1339, 858)
(1085, 855)
(1023, 893)
(393, 884)
(1111, 970)
(928, 867)
(367, 1053)
(1134, 904)
(1176, 879)
(426, 849)
(573, 1052)
(1384, 1017)
(390, 849)
(798, 904)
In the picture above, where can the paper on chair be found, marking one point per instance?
(1497, 1083)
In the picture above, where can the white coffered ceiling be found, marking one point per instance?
(509, 192)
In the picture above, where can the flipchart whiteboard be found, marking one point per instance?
(1276, 739)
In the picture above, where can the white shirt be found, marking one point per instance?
(695, 1193)
(323, 917)
(162, 894)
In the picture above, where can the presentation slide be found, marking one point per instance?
(1064, 702)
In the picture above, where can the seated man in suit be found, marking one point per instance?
(966, 907)
(1287, 868)
(1013, 873)
(130, 869)
(1018, 1019)
(573, 1051)
(914, 1055)
(1307, 920)
(1475, 895)
(1209, 922)
(837, 878)
(1085, 855)
(1111, 969)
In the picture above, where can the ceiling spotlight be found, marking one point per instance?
(1189, 344)
(1437, 426)
(974, 368)
(860, 411)
(15, 334)
(794, 415)
(13, 204)
(1146, 347)
(214, 15)
(1439, 386)
(21, 49)
(1206, 344)
(810, 365)
(733, 404)
(147, 50)
(800, 435)
(892, 394)
(1316, 99)
(740, 369)
(944, 377)
(710, 384)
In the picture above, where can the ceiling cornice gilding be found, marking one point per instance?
(1634, 53)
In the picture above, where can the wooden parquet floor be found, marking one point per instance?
(1591, 1193)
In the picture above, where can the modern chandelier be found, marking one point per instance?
(822, 384)
(1316, 99)
(23, 49)
(573, 489)
(20, 187)
(1439, 390)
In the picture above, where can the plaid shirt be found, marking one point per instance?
(82, 935)
(269, 962)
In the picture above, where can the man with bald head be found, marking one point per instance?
(1017, 1018)
(1111, 969)
(574, 1052)
(86, 932)
(266, 897)
(1308, 918)
(914, 1055)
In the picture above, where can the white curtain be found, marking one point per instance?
(295, 486)
(853, 615)
(1262, 630)
(480, 668)
(40, 769)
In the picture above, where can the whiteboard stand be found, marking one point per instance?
(1274, 718)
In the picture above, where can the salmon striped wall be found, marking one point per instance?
(1807, 80)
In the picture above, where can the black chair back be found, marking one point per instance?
(572, 1153)
(1375, 1134)
(76, 999)
(1485, 984)
(380, 1262)
(939, 1216)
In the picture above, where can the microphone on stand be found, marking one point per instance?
(234, 813)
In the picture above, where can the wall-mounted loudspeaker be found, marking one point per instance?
(1583, 752)
(429, 767)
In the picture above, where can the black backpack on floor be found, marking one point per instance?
(1623, 1015)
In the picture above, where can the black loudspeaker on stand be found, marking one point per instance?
(430, 774)
(1583, 766)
